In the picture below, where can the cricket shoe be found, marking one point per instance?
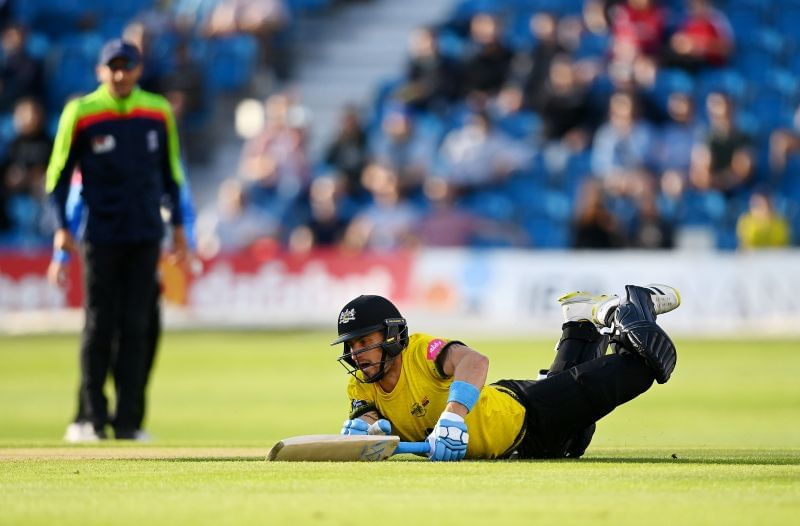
(600, 308)
(665, 298)
(583, 306)
(83, 432)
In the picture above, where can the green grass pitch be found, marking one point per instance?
(718, 444)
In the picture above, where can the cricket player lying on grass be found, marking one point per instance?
(425, 388)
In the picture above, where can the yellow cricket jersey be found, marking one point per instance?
(757, 232)
(420, 396)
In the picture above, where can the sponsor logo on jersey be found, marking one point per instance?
(357, 404)
(347, 316)
(103, 143)
(434, 348)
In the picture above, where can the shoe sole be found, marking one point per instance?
(574, 297)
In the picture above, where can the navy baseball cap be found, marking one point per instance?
(120, 49)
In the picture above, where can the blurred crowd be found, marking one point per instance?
(194, 51)
(516, 123)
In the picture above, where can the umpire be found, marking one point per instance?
(125, 143)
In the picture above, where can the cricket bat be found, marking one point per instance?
(343, 448)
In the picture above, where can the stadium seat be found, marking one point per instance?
(789, 182)
(520, 186)
(702, 208)
(69, 68)
(307, 6)
(547, 234)
(592, 46)
(771, 108)
(490, 204)
(450, 43)
(726, 238)
(464, 10)
(788, 20)
(523, 125)
(670, 81)
(518, 34)
(746, 21)
(231, 62)
(7, 132)
(727, 80)
(37, 45)
(763, 48)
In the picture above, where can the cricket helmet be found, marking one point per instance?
(364, 315)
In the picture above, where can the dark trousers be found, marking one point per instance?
(153, 337)
(119, 287)
(583, 386)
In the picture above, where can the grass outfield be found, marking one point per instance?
(718, 444)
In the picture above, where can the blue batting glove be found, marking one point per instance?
(449, 438)
(357, 426)
(380, 427)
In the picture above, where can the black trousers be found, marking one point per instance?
(153, 337)
(119, 289)
(583, 385)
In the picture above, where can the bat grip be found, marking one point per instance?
(422, 448)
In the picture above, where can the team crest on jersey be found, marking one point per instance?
(418, 408)
(152, 141)
(103, 143)
(346, 316)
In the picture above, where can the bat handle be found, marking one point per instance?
(413, 447)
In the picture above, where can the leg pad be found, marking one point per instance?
(652, 343)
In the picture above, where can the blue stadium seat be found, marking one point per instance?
(300, 6)
(787, 21)
(592, 45)
(547, 234)
(381, 101)
(231, 62)
(69, 68)
(579, 167)
(56, 18)
(450, 44)
(518, 33)
(521, 186)
(523, 125)
(772, 109)
(544, 203)
(464, 10)
(7, 132)
(702, 208)
(789, 183)
(750, 123)
(670, 81)
(557, 205)
(726, 238)
(784, 82)
(758, 51)
(746, 20)
(490, 204)
(38, 45)
(726, 80)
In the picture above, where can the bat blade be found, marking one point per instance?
(334, 448)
